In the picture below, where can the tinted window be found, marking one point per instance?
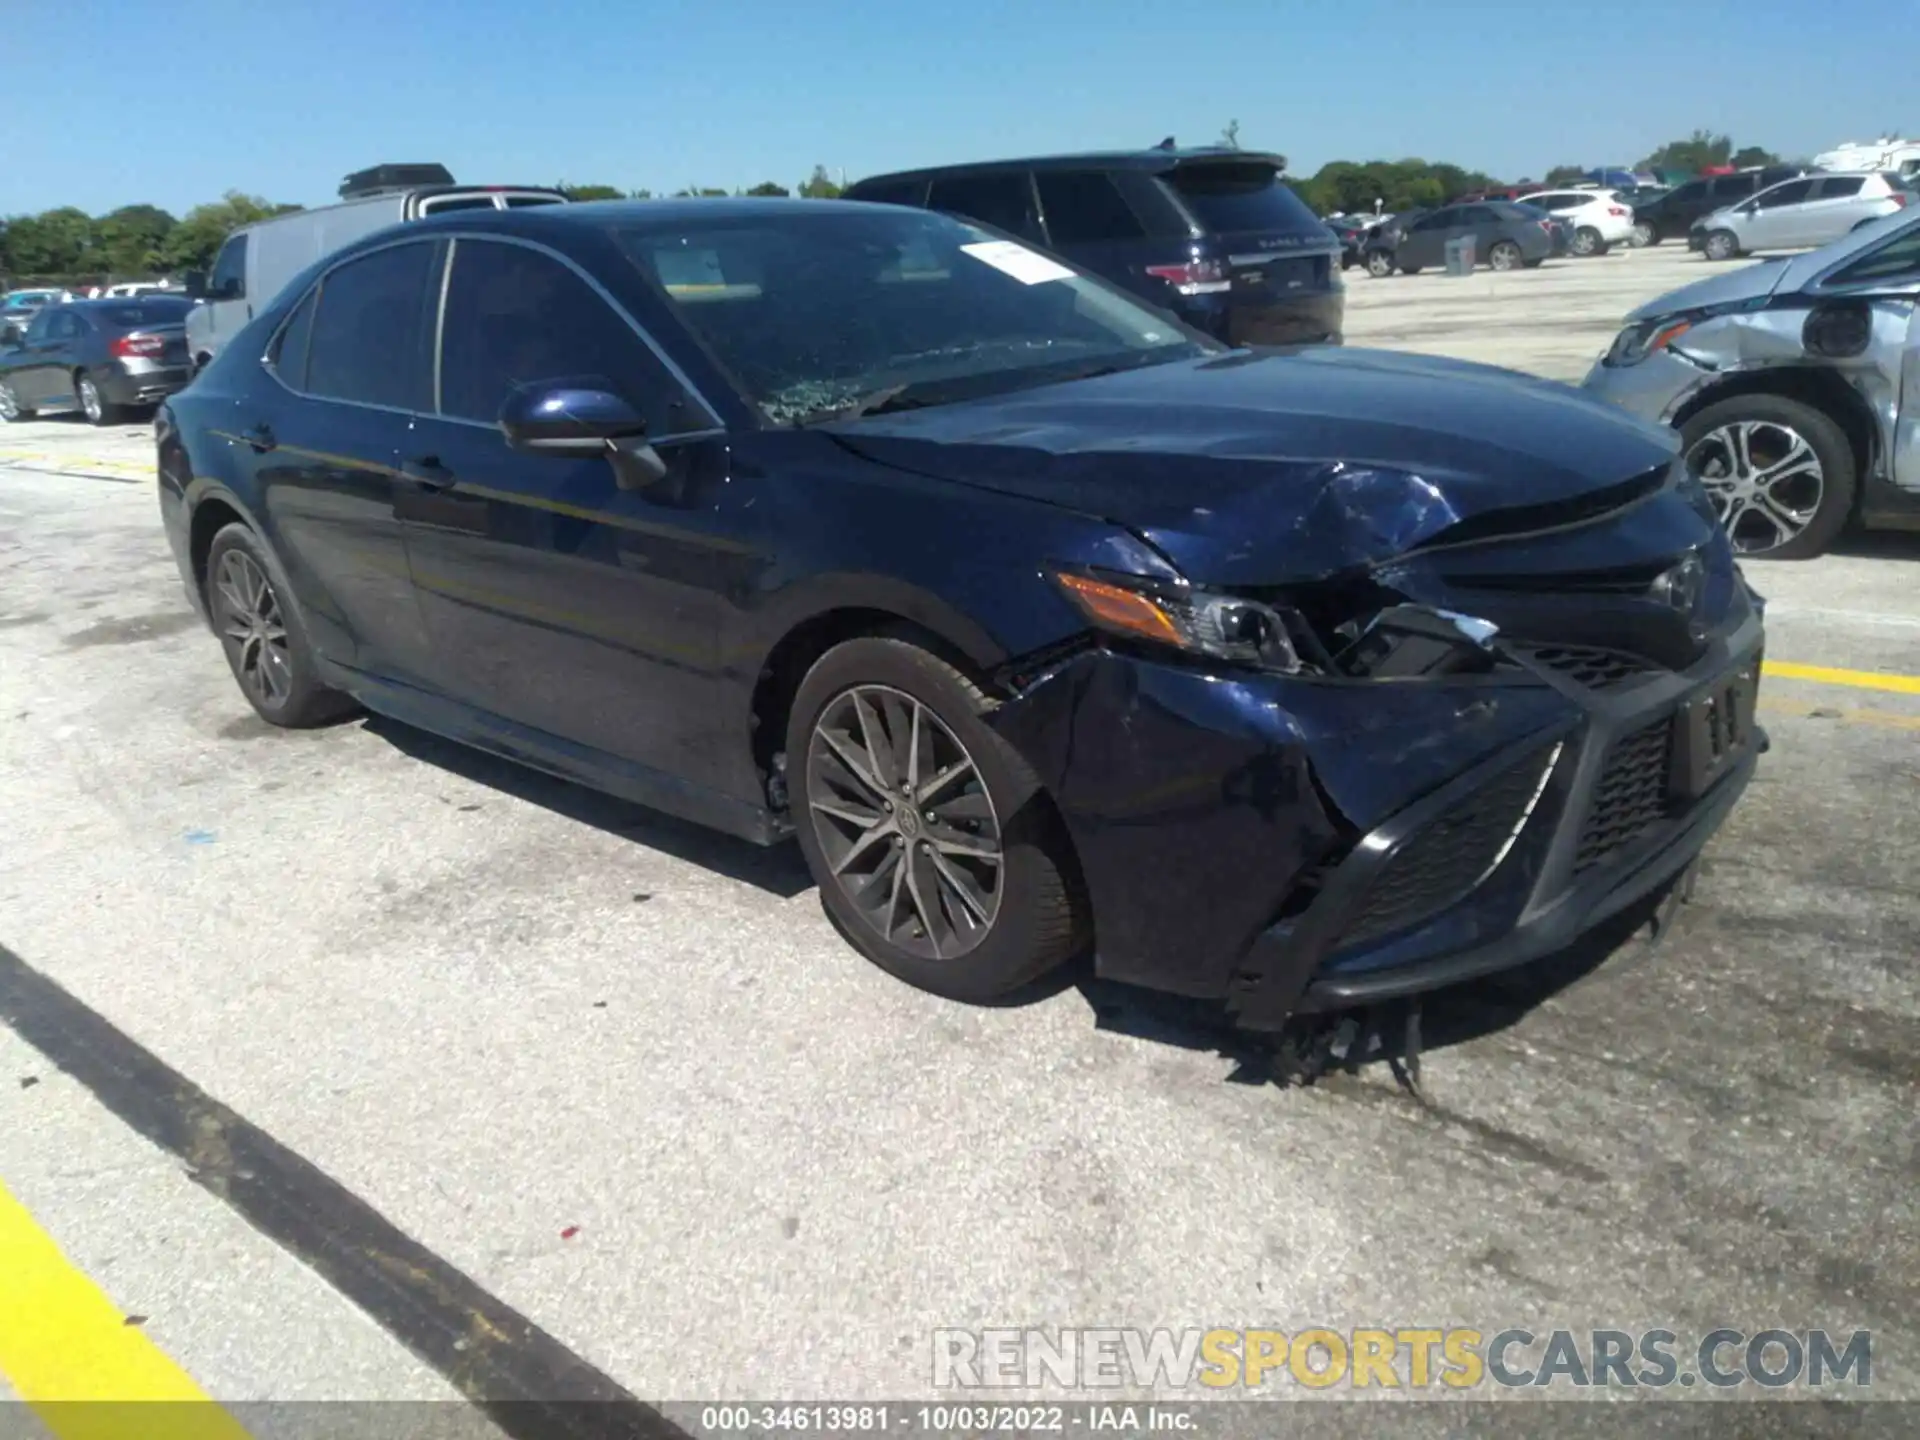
(1692, 190)
(895, 192)
(1732, 187)
(289, 357)
(372, 334)
(38, 327)
(1792, 193)
(1227, 197)
(521, 202)
(66, 326)
(1488, 215)
(1897, 260)
(1838, 187)
(1002, 200)
(1436, 219)
(229, 278)
(440, 205)
(809, 311)
(516, 316)
(1083, 206)
(146, 312)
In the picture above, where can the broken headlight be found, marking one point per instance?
(1201, 622)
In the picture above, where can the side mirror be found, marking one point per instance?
(195, 282)
(581, 419)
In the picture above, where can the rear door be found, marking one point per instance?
(1275, 248)
(354, 365)
(1831, 210)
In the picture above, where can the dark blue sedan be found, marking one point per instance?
(1298, 679)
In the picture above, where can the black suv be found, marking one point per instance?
(1671, 215)
(1214, 236)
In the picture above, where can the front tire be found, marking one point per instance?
(1722, 245)
(261, 631)
(11, 410)
(936, 851)
(1505, 256)
(93, 403)
(1781, 474)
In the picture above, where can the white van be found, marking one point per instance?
(258, 260)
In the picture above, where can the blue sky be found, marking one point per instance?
(109, 104)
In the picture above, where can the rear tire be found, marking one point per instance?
(265, 640)
(12, 411)
(869, 697)
(1505, 256)
(1645, 233)
(1380, 263)
(93, 402)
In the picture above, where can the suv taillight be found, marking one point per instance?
(128, 347)
(1899, 198)
(1616, 209)
(1196, 277)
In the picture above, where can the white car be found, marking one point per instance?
(1599, 219)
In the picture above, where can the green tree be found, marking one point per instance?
(54, 242)
(1692, 155)
(132, 240)
(1753, 155)
(641, 195)
(767, 187)
(698, 192)
(1353, 186)
(193, 243)
(1565, 174)
(591, 192)
(819, 185)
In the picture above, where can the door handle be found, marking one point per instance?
(427, 472)
(260, 438)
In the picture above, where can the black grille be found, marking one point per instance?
(1446, 859)
(1631, 796)
(1590, 665)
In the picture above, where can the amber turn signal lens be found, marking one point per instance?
(1121, 609)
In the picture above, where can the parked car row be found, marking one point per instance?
(100, 357)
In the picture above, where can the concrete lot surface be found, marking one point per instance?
(625, 1076)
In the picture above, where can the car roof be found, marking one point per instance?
(644, 214)
(1149, 161)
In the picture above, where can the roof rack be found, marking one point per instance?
(385, 179)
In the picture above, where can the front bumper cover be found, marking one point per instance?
(1228, 827)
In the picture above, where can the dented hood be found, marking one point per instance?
(1728, 287)
(1258, 468)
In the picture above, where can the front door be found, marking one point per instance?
(1425, 242)
(1779, 217)
(36, 366)
(354, 365)
(557, 600)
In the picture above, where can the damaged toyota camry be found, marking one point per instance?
(1045, 625)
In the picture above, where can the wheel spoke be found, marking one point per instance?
(862, 816)
(1740, 442)
(942, 779)
(914, 865)
(953, 842)
(1798, 459)
(867, 840)
(873, 736)
(913, 751)
(970, 805)
(850, 756)
(960, 886)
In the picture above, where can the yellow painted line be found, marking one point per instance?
(1858, 679)
(1884, 718)
(68, 1351)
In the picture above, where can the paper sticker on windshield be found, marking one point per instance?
(1024, 265)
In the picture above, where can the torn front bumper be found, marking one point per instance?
(1291, 844)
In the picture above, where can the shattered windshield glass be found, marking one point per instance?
(844, 312)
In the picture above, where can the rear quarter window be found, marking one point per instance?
(1228, 198)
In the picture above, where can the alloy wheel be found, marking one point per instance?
(1379, 264)
(1642, 235)
(90, 400)
(251, 623)
(1721, 246)
(904, 821)
(1585, 241)
(1765, 480)
(1504, 256)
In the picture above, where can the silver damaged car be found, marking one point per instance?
(1794, 384)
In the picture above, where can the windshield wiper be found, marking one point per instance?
(874, 402)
